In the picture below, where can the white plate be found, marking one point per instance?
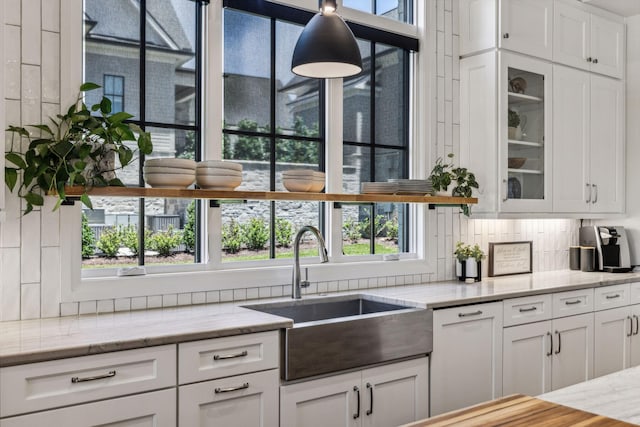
(171, 162)
(218, 172)
(219, 164)
(164, 169)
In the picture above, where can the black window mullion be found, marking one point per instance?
(200, 46)
(373, 141)
(272, 140)
(142, 113)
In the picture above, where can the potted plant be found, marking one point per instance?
(75, 148)
(468, 262)
(513, 123)
(443, 174)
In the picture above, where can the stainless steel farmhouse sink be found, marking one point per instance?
(331, 334)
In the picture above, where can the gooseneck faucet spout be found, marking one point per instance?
(296, 286)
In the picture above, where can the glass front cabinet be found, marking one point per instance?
(505, 131)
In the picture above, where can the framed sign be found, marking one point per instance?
(509, 258)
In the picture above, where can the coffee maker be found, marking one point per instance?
(612, 247)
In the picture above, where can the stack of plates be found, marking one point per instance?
(218, 175)
(304, 180)
(169, 172)
(379, 187)
(413, 186)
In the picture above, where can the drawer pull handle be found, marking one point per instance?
(635, 316)
(613, 296)
(559, 343)
(550, 352)
(573, 302)
(474, 313)
(370, 410)
(357, 414)
(630, 326)
(94, 378)
(230, 356)
(524, 310)
(230, 389)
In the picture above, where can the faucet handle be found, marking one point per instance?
(304, 283)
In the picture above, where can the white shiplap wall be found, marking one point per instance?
(30, 246)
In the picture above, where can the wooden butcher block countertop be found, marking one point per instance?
(521, 411)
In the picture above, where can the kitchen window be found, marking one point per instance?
(258, 113)
(114, 90)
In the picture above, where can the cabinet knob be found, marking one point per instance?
(505, 36)
(595, 60)
(589, 59)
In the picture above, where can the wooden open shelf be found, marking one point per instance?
(175, 193)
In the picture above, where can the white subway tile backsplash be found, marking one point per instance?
(253, 293)
(213, 296)
(10, 293)
(31, 27)
(239, 294)
(50, 67)
(277, 291)
(11, 11)
(122, 304)
(30, 301)
(50, 223)
(87, 307)
(105, 306)
(264, 292)
(448, 34)
(50, 282)
(69, 309)
(226, 295)
(138, 303)
(30, 249)
(198, 298)
(12, 65)
(154, 301)
(170, 300)
(51, 15)
(440, 15)
(31, 97)
(184, 299)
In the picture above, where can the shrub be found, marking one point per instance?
(88, 239)
(109, 242)
(164, 241)
(231, 237)
(256, 234)
(284, 232)
(392, 229)
(129, 236)
(379, 224)
(351, 231)
(189, 232)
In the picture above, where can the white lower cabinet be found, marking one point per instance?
(466, 362)
(388, 395)
(617, 339)
(154, 409)
(573, 350)
(242, 401)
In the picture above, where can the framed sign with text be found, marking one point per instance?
(510, 258)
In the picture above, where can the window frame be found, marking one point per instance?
(215, 275)
(114, 95)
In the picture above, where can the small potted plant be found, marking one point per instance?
(74, 148)
(444, 174)
(468, 262)
(513, 123)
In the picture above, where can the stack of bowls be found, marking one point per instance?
(218, 175)
(169, 172)
(303, 180)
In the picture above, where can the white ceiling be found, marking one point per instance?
(620, 7)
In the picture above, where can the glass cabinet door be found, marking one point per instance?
(524, 155)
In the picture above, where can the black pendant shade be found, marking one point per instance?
(326, 49)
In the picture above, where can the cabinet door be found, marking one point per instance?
(634, 342)
(334, 401)
(242, 401)
(573, 350)
(478, 139)
(466, 362)
(525, 26)
(155, 409)
(607, 145)
(527, 359)
(477, 25)
(571, 100)
(395, 394)
(571, 40)
(613, 330)
(607, 46)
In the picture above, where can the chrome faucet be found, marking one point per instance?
(296, 285)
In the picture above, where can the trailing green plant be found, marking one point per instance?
(74, 148)
(164, 242)
(88, 238)
(256, 234)
(189, 232)
(284, 232)
(109, 242)
(129, 238)
(513, 119)
(444, 174)
(441, 174)
(231, 237)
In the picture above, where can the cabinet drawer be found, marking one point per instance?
(634, 293)
(224, 357)
(527, 309)
(154, 409)
(611, 297)
(45, 385)
(572, 302)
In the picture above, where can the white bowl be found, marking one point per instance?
(219, 164)
(172, 180)
(164, 169)
(218, 172)
(171, 163)
(297, 184)
(212, 182)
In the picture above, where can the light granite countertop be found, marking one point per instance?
(615, 395)
(54, 338)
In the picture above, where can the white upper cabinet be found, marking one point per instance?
(523, 26)
(588, 41)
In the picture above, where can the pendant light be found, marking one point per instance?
(326, 48)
